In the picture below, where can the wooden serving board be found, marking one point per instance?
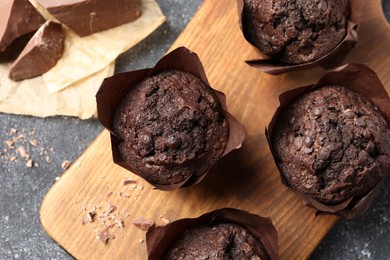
(246, 179)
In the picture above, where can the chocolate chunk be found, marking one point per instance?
(143, 224)
(291, 33)
(306, 49)
(18, 17)
(324, 153)
(370, 148)
(86, 17)
(308, 150)
(349, 114)
(323, 5)
(318, 111)
(174, 143)
(269, 30)
(360, 122)
(298, 143)
(347, 175)
(308, 141)
(314, 36)
(40, 54)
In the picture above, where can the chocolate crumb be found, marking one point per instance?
(23, 152)
(91, 215)
(165, 220)
(29, 163)
(34, 142)
(143, 224)
(9, 143)
(128, 181)
(110, 208)
(104, 236)
(65, 164)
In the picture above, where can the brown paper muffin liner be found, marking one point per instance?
(333, 59)
(361, 79)
(158, 239)
(115, 88)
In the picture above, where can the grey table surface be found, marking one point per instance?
(63, 138)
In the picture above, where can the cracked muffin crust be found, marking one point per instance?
(222, 241)
(295, 31)
(332, 144)
(172, 127)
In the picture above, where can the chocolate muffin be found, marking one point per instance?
(332, 144)
(222, 241)
(297, 31)
(171, 126)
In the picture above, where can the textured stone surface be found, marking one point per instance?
(22, 189)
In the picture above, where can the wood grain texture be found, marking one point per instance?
(246, 179)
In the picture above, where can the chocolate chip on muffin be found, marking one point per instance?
(332, 144)
(171, 127)
(297, 31)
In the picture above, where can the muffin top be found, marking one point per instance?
(295, 31)
(222, 241)
(332, 144)
(171, 126)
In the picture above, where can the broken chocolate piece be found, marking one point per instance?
(41, 53)
(104, 236)
(18, 18)
(110, 208)
(86, 17)
(143, 224)
(128, 181)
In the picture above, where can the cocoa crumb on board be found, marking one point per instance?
(91, 215)
(110, 208)
(143, 224)
(104, 235)
(128, 181)
(165, 220)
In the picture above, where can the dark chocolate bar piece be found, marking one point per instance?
(86, 17)
(40, 54)
(18, 17)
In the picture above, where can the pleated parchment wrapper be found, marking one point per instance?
(158, 239)
(333, 59)
(69, 88)
(361, 79)
(115, 88)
